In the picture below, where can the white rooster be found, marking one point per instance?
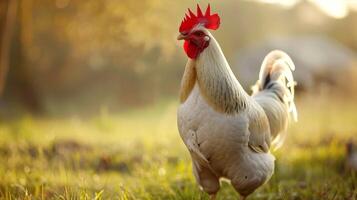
(229, 133)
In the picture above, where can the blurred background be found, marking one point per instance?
(66, 57)
(85, 82)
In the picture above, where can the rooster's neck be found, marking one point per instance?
(217, 82)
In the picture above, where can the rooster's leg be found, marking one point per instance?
(212, 197)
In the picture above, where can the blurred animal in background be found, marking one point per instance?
(229, 133)
(351, 156)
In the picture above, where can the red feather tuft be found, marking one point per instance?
(207, 20)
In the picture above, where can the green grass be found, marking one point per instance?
(139, 155)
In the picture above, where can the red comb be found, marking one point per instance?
(207, 20)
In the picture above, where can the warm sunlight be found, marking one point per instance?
(283, 3)
(158, 99)
(333, 8)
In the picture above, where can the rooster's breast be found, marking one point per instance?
(220, 137)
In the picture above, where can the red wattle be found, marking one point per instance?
(191, 50)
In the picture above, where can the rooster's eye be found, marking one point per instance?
(199, 33)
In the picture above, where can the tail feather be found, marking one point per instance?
(276, 75)
(277, 67)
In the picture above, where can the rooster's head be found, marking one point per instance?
(194, 30)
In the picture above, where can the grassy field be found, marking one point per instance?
(139, 155)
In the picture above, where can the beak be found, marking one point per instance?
(181, 37)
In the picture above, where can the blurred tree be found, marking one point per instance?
(7, 33)
(15, 63)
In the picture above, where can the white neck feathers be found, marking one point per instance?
(216, 81)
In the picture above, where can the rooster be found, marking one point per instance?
(229, 133)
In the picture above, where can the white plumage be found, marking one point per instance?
(228, 132)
